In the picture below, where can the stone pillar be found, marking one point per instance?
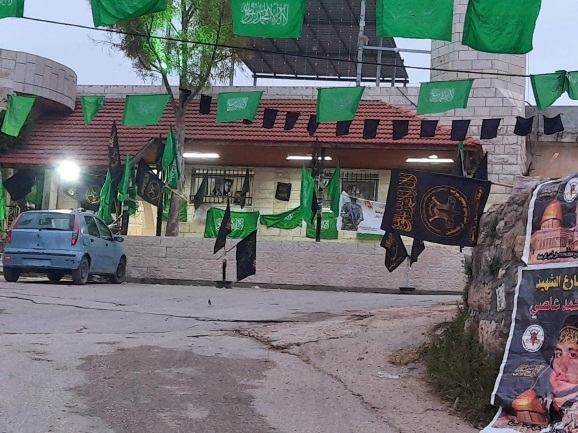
(492, 96)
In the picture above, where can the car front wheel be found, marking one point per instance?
(80, 275)
(118, 276)
(11, 274)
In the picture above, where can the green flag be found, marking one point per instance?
(572, 84)
(307, 190)
(440, 96)
(268, 19)
(170, 150)
(19, 108)
(90, 107)
(104, 211)
(144, 110)
(548, 88)
(12, 8)
(173, 175)
(287, 220)
(233, 106)
(415, 19)
(501, 26)
(328, 226)
(335, 104)
(124, 181)
(167, 207)
(334, 190)
(2, 202)
(109, 12)
(242, 223)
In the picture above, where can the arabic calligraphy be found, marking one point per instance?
(548, 305)
(235, 104)
(442, 95)
(405, 203)
(553, 255)
(276, 14)
(557, 282)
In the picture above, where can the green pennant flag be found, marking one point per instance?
(287, 220)
(440, 96)
(572, 84)
(90, 107)
(328, 226)
(19, 108)
(124, 181)
(307, 190)
(109, 12)
(12, 8)
(144, 110)
(242, 223)
(104, 210)
(501, 26)
(548, 88)
(416, 19)
(170, 150)
(268, 19)
(335, 104)
(233, 106)
(173, 174)
(2, 202)
(334, 190)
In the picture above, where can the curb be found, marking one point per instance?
(317, 288)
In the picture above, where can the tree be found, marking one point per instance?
(195, 64)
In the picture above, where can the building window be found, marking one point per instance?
(222, 185)
(360, 185)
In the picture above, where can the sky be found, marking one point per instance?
(94, 63)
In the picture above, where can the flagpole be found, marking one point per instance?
(319, 195)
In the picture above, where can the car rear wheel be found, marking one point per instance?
(118, 276)
(80, 275)
(11, 274)
(55, 277)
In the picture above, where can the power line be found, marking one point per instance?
(305, 56)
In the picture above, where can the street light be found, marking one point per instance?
(68, 171)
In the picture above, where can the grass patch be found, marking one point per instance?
(460, 369)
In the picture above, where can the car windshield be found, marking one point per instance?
(45, 221)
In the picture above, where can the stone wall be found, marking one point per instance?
(494, 263)
(34, 75)
(327, 263)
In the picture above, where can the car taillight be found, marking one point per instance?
(75, 231)
(9, 232)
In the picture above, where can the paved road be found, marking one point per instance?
(150, 358)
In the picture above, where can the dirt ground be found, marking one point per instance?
(355, 351)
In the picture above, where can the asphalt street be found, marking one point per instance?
(154, 358)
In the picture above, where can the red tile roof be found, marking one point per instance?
(59, 136)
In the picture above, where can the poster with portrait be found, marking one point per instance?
(360, 215)
(537, 387)
(552, 230)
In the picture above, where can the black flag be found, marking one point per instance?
(114, 163)
(459, 130)
(20, 184)
(246, 255)
(342, 127)
(395, 252)
(428, 128)
(490, 128)
(482, 168)
(416, 249)
(400, 129)
(290, 120)
(370, 128)
(435, 207)
(205, 104)
(312, 124)
(244, 190)
(283, 191)
(149, 186)
(523, 126)
(201, 193)
(553, 125)
(269, 117)
(224, 230)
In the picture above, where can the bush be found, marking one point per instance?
(460, 369)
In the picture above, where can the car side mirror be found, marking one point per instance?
(118, 239)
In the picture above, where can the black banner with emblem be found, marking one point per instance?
(537, 387)
(88, 195)
(435, 207)
(149, 186)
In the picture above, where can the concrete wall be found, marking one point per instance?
(327, 263)
(34, 75)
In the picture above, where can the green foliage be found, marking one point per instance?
(460, 369)
(494, 266)
(9, 143)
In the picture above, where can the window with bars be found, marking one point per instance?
(222, 185)
(360, 185)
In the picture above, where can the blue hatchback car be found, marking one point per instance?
(58, 243)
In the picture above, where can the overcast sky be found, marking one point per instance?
(554, 40)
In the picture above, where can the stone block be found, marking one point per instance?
(492, 336)
(148, 251)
